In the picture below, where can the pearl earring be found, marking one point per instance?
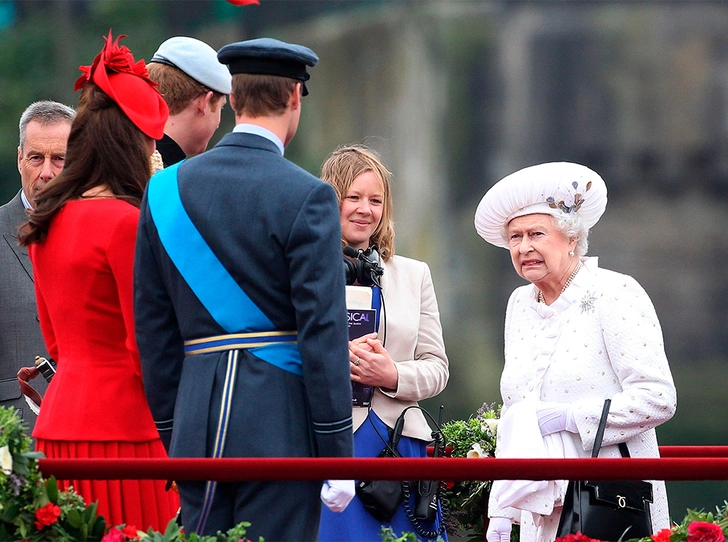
(571, 253)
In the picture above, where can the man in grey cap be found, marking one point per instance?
(240, 307)
(194, 84)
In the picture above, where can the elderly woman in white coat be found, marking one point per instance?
(575, 336)
(405, 360)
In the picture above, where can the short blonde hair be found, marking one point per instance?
(343, 166)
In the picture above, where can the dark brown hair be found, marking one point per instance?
(261, 95)
(104, 149)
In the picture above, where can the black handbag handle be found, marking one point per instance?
(623, 450)
(600, 430)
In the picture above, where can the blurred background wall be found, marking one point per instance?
(456, 94)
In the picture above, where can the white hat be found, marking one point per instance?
(556, 188)
(196, 59)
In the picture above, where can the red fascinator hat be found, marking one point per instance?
(127, 83)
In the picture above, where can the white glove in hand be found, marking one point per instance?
(337, 494)
(499, 530)
(555, 417)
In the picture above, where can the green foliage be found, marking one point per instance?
(20, 482)
(388, 535)
(679, 532)
(174, 533)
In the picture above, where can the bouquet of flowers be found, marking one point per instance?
(465, 503)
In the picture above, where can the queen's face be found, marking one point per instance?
(539, 251)
(361, 210)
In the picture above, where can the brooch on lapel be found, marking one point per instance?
(587, 302)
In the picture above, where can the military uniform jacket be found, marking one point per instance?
(20, 336)
(276, 230)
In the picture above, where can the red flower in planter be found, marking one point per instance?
(663, 535)
(46, 516)
(114, 535)
(130, 532)
(700, 531)
(578, 537)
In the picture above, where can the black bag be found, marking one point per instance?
(607, 510)
(382, 498)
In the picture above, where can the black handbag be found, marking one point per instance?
(382, 498)
(607, 510)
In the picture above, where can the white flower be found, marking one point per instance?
(6, 460)
(476, 451)
(492, 424)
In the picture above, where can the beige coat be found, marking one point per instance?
(412, 334)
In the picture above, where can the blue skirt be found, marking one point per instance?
(355, 523)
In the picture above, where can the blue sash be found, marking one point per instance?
(208, 279)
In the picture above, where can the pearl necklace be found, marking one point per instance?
(566, 284)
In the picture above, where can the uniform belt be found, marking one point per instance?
(236, 341)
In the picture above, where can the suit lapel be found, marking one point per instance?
(16, 216)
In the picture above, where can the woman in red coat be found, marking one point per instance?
(81, 239)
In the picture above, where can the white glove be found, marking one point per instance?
(499, 530)
(337, 494)
(555, 417)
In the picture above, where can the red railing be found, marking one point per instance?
(679, 463)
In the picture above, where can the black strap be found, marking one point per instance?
(600, 430)
(439, 440)
(623, 449)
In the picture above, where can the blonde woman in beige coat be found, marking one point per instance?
(405, 360)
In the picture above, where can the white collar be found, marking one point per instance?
(26, 203)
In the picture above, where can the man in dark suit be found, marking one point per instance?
(44, 129)
(240, 307)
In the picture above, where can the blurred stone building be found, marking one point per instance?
(456, 95)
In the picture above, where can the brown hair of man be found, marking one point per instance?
(104, 149)
(178, 88)
(261, 95)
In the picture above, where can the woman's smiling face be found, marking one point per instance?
(539, 251)
(361, 210)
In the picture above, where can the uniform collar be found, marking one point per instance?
(260, 131)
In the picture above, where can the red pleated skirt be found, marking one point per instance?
(140, 503)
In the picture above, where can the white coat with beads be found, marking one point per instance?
(600, 339)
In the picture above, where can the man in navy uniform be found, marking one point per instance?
(240, 307)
